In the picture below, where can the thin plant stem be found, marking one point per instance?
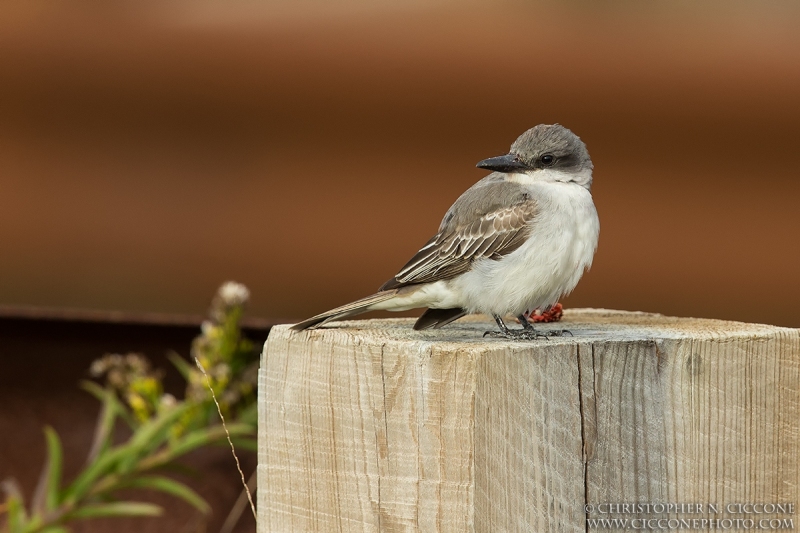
(233, 450)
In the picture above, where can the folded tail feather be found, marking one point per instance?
(436, 318)
(354, 308)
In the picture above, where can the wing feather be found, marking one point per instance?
(450, 252)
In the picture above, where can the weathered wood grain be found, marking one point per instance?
(371, 426)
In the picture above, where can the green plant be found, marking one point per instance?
(163, 429)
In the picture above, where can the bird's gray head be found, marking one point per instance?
(546, 147)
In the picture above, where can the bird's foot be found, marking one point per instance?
(518, 334)
(559, 333)
(527, 333)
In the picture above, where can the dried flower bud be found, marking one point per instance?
(233, 293)
(168, 401)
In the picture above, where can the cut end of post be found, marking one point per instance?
(382, 426)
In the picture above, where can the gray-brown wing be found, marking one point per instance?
(492, 234)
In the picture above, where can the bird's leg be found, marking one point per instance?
(504, 331)
(527, 333)
(527, 326)
(501, 324)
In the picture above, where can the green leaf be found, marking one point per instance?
(16, 515)
(170, 486)
(194, 440)
(94, 389)
(191, 441)
(98, 510)
(15, 506)
(207, 436)
(151, 435)
(46, 493)
(54, 458)
(102, 465)
(101, 393)
(104, 427)
(124, 458)
(182, 365)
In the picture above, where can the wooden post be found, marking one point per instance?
(371, 426)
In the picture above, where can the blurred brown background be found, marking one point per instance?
(150, 151)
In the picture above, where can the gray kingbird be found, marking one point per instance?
(517, 240)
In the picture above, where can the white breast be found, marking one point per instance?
(560, 248)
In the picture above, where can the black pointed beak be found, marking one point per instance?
(503, 163)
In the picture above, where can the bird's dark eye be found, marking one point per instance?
(547, 160)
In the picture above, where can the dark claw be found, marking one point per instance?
(559, 333)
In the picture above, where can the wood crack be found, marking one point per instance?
(583, 438)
